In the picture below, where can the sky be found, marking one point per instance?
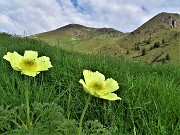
(26, 17)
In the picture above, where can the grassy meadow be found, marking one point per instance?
(150, 95)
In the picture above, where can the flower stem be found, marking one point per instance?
(105, 112)
(27, 104)
(83, 113)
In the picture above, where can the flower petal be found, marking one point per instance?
(43, 63)
(98, 76)
(87, 76)
(29, 73)
(110, 85)
(30, 54)
(81, 81)
(8, 56)
(90, 76)
(111, 96)
(14, 59)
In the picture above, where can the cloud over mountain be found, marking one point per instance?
(34, 16)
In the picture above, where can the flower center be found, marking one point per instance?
(97, 87)
(28, 64)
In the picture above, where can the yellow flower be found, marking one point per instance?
(96, 85)
(29, 64)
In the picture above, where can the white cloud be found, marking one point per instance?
(127, 15)
(34, 16)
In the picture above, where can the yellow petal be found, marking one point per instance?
(111, 96)
(14, 59)
(30, 54)
(90, 76)
(29, 73)
(98, 76)
(110, 85)
(43, 63)
(87, 76)
(8, 56)
(81, 81)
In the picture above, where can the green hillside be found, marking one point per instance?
(150, 95)
(162, 29)
(79, 38)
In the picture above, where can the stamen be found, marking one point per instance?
(97, 87)
(28, 64)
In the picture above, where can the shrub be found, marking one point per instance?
(176, 34)
(143, 52)
(167, 56)
(156, 44)
(163, 41)
(148, 41)
(137, 48)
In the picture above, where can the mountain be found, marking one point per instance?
(79, 38)
(162, 30)
(157, 40)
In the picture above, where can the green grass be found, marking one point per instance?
(150, 95)
(84, 44)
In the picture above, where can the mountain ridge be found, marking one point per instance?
(162, 28)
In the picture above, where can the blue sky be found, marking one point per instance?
(35, 16)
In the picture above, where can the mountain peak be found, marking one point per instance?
(73, 26)
(161, 21)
